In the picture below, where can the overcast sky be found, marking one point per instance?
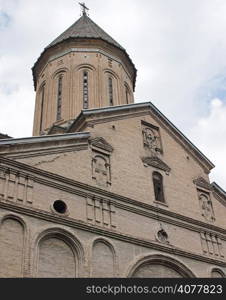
(178, 47)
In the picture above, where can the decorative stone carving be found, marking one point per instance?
(151, 138)
(201, 182)
(100, 143)
(100, 212)
(211, 244)
(162, 236)
(206, 206)
(156, 162)
(101, 168)
(15, 186)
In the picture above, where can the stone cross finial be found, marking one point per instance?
(84, 8)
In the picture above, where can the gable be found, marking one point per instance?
(91, 117)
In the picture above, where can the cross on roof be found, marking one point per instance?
(84, 8)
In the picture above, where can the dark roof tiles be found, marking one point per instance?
(84, 27)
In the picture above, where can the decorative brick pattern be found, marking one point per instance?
(211, 244)
(101, 212)
(16, 187)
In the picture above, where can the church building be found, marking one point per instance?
(105, 187)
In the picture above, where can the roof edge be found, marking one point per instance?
(45, 138)
(144, 105)
(219, 189)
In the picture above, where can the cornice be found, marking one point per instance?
(202, 183)
(66, 221)
(156, 162)
(101, 143)
(40, 152)
(44, 145)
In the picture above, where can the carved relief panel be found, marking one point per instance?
(16, 186)
(101, 169)
(204, 189)
(101, 166)
(151, 138)
(206, 206)
(211, 244)
(101, 212)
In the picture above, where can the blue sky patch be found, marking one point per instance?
(213, 88)
(4, 20)
(8, 89)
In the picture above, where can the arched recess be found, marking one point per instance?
(59, 71)
(111, 88)
(12, 246)
(41, 102)
(103, 260)
(59, 255)
(61, 93)
(159, 266)
(84, 87)
(217, 273)
(128, 94)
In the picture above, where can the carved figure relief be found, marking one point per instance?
(206, 206)
(151, 138)
(162, 236)
(101, 170)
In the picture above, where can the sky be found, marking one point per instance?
(178, 47)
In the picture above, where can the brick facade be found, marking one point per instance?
(82, 202)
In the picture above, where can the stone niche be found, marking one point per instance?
(101, 164)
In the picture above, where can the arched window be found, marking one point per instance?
(42, 105)
(158, 187)
(59, 96)
(110, 90)
(85, 90)
(127, 96)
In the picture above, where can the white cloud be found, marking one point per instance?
(178, 47)
(209, 135)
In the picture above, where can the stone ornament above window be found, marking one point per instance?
(157, 163)
(101, 143)
(201, 182)
(151, 138)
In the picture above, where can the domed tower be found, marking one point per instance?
(83, 68)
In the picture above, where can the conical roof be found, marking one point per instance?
(84, 27)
